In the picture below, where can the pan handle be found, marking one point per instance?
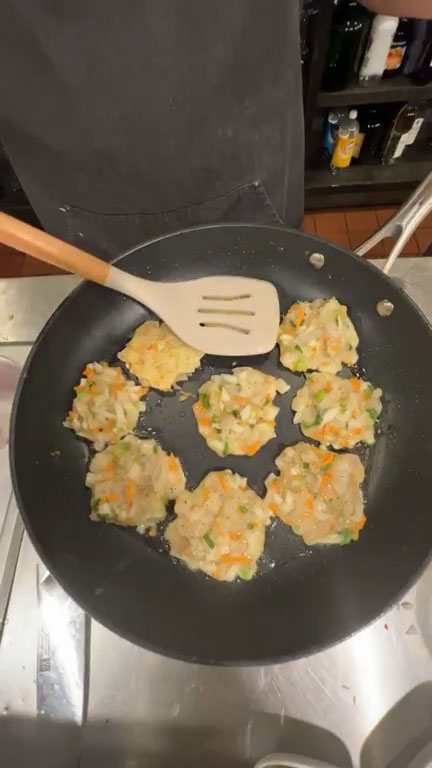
(404, 222)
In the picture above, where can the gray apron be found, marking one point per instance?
(126, 119)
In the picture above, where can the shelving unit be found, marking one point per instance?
(399, 88)
(359, 184)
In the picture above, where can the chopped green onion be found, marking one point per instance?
(246, 574)
(300, 364)
(306, 465)
(292, 323)
(343, 405)
(234, 413)
(345, 536)
(205, 399)
(369, 392)
(155, 448)
(226, 448)
(94, 504)
(214, 419)
(218, 431)
(104, 516)
(350, 346)
(208, 540)
(81, 393)
(326, 467)
(243, 508)
(318, 419)
(372, 413)
(122, 447)
(299, 348)
(319, 395)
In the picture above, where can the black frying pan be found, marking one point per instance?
(303, 598)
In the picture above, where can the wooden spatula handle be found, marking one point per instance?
(42, 246)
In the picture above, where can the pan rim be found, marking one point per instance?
(312, 648)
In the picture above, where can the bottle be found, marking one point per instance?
(423, 72)
(330, 132)
(374, 124)
(380, 39)
(348, 33)
(345, 142)
(403, 132)
(420, 32)
(398, 49)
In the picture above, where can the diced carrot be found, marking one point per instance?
(345, 443)
(223, 483)
(129, 490)
(241, 400)
(324, 429)
(268, 395)
(276, 483)
(327, 458)
(327, 386)
(215, 573)
(117, 385)
(252, 448)
(325, 340)
(93, 389)
(95, 429)
(173, 464)
(235, 559)
(80, 387)
(326, 481)
(355, 382)
(109, 497)
(357, 430)
(205, 421)
(274, 507)
(108, 425)
(233, 535)
(355, 412)
(109, 466)
(358, 526)
(88, 370)
(206, 494)
(269, 421)
(309, 502)
(334, 429)
(300, 316)
(198, 407)
(314, 348)
(151, 347)
(323, 363)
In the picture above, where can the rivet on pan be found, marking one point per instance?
(316, 260)
(384, 308)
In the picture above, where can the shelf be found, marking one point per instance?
(362, 175)
(399, 88)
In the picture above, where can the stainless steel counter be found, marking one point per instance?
(365, 702)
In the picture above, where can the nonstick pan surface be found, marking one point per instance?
(303, 598)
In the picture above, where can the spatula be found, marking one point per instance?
(220, 315)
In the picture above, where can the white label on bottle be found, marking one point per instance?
(412, 134)
(380, 39)
(400, 147)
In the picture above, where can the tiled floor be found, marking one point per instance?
(351, 227)
(347, 228)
